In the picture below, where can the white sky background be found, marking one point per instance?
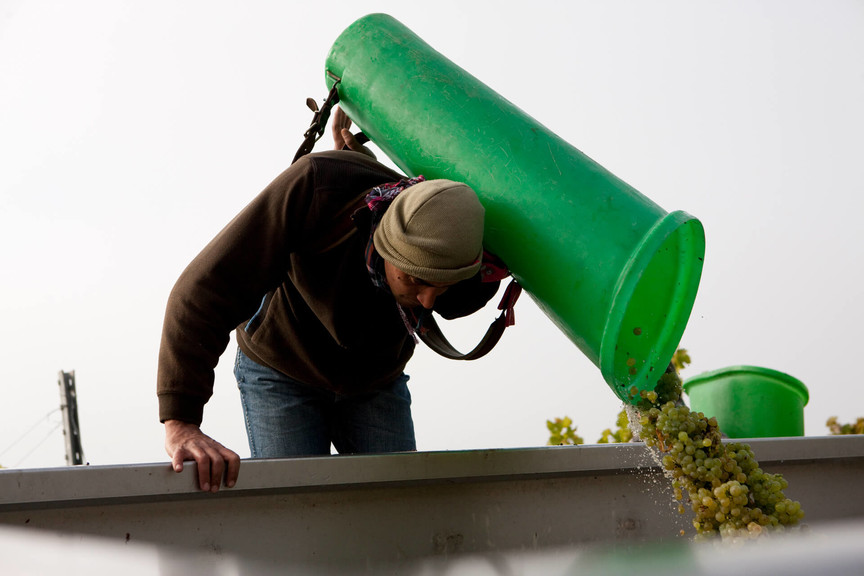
(131, 132)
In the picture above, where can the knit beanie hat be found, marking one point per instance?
(433, 231)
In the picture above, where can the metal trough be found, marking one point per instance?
(355, 513)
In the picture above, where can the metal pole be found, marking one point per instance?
(69, 408)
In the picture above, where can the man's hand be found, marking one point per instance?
(185, 441)
(342, 135)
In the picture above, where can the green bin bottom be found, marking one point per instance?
(750, 402)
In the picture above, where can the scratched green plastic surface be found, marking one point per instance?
(614, 271)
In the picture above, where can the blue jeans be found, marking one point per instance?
(285, 418)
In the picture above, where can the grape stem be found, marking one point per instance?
(662, 445)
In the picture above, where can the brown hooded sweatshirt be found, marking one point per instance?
(289, 273)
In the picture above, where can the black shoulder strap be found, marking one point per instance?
(431, 335)
(319, 122)
(319, 119)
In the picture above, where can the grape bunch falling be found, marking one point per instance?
(727, 490)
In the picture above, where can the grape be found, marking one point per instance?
(730, 495)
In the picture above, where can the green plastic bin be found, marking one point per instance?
(749, 401)
(614, 271)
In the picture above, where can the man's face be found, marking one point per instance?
(411, 291)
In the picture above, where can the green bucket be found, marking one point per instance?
(614, 271)
(750, 402)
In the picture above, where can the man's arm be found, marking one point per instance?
(222, 287)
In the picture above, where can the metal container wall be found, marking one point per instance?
(374, 511)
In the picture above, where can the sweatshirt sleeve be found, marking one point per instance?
(223, 286)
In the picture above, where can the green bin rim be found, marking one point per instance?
(780, 377)
(692, 235)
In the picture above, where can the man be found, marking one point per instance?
(323, 276)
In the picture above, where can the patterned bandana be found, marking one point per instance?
(378, 200)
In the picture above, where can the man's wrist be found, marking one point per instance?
(178, 424)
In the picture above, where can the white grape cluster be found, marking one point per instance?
(727, 490)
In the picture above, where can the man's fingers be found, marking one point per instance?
(211, 465)
(177, 461)
(340, 119)
(213, 461)
(340, 123)
(233, 470)
(203, 462)
(179, 455)
(342, 136)
(217, 468)
(350, 140)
